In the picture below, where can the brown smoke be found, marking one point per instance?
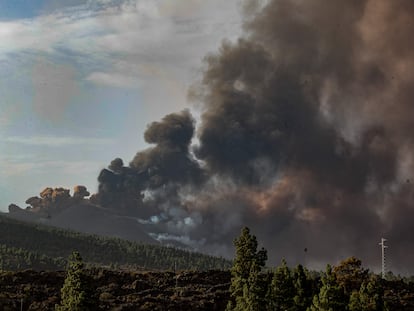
(305, 136)
(312, 111)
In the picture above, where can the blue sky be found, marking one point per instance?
(18, 9)
(81, 79)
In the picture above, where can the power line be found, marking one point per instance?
(383, 265)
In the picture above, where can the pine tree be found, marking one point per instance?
(281, 290)
(253, 290)
(369, 297)
(355, 302)
(246, 290)
(331, 296)
(303, 287)
(75, 293)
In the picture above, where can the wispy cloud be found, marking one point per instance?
(113, 79)
(139, 54)
(154, 47)
(55, 141)
(141, 31)
(11, 168)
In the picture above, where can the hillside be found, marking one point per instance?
(26, 245)
(83, 216)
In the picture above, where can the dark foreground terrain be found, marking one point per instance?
(119, 290)
(126, 290)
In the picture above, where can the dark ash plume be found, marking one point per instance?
(310, 112)
(169, 161)
(162, 168)
(305, 136)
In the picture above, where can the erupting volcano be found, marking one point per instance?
(302, 130)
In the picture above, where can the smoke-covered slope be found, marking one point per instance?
(88, 218)
(28, 246)
(305, 136)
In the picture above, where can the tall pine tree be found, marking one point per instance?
(369, 297)
(76, 294)
(281, 290)
(246, 290)
(331, 295)
(304, 288)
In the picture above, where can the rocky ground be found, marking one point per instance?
(119, 290)
(134, 290)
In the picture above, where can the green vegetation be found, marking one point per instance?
(281, 290)
(331, 294)
(39, 247)
(370, 296)
(346, 287)
(12, 258)
(246, 289)
(76, 293)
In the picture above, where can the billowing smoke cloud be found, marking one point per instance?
(305, 136)
(155, 174)
(310, 115)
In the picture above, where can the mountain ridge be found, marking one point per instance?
(26, 242)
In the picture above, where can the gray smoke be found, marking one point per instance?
(305, 136)
(309, 114)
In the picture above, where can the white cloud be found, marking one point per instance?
(133, 24)
(43, 34)
(55, 141)
(142, 31)
(114, 79)
(154, 47)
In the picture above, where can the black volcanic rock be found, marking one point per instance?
(118, 290)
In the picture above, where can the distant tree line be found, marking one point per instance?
(39, 247)
(346, 287)
(13, 258)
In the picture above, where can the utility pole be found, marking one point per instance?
(176, 277)
(383, 247)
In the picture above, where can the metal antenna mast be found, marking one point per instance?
(383, 247)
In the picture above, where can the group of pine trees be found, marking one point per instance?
(22, 246)
(347, 287)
